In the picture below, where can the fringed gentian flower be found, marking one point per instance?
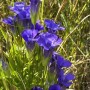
(9, 20)
(65, 80)
(30, 38)
(18, 7)
(52, 26)
(61, 62)
(22, 13)
(55, 87)
(21, 9)
(37, 88)
(22, 16)
(34, 10)
(57, 62)
(48, 41)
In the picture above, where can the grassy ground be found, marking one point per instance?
(75, 17)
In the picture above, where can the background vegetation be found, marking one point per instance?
(74, 15)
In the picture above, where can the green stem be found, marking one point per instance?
(42, 10)
(5, 84)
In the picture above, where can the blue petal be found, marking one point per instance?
(67, 84)
(60, 61)
(55, 87)
(29, 35)
(69, 76)
(57, 42)
(48, 40)
(22, 15)
(27, 8)
(39, 27)
(52, 26)
(61, 74)
(9, 20)
(65, 79)
(18, 6)
(41, 40)
(51, 37)
(34, 6)
(22, 11)
(67, 63)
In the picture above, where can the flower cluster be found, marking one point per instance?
(46, 38)
(56, 65)
(22, 15)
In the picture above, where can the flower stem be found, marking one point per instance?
(42, 10)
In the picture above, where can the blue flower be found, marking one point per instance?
(34, 10)
(34, 6)
(55, 87)
(9, 20)
(57, 62)
(21, 9)
(18, 7)
(52, 26)
(22, 16)
(60, 61)
(48, 41)
(37, 88)
(30, 37)
(65, 80)
(25, 13)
